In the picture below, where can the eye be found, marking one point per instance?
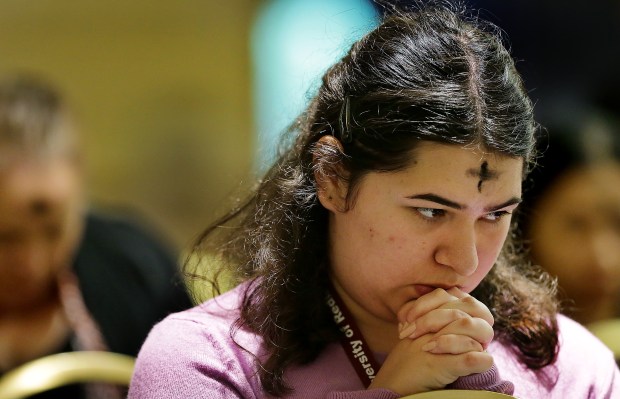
(496, 216)
(430, 213)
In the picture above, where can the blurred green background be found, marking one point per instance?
(161, 91)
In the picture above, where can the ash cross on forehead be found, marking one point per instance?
(483, 174)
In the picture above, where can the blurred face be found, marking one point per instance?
(439, 223)
(575, 235)
(40, 225)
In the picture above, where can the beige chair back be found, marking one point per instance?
(608, 331)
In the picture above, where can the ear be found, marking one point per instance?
(329, 174)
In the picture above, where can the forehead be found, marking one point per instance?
(459, 172)
(597, 186)
(463, 160)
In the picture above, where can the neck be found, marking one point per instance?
(25, 308)
(380, 335)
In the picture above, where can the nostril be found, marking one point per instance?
(464, 263)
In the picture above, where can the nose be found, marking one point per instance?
(458, 250)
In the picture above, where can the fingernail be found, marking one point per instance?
(407, 330)
(429, 346)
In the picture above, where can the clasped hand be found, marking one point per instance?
(443, 336)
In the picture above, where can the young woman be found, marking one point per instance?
(375, 259)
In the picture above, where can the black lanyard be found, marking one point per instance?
(352, 341)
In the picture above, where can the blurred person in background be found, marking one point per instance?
(571, 215)
(70, 278)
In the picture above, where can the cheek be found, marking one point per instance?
(489, 248)
(400, 240)
(397, 252)
(384, 252)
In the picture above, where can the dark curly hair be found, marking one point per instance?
(434, 74)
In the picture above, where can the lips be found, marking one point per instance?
(423, 289)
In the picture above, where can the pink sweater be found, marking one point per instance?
(190, 355)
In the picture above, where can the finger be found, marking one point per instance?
(424, 304)
(472, 327)
(454, 291)
(466, 363)
(470, 300)
(452, 344)
(431, 322)
(472, 307)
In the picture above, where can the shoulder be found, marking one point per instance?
(214, 318)
(128, 279)
(114, 235)
(115, 250)
(585, 363)
(579, 344)
(579, 348)
(198, 350)
(584, 367)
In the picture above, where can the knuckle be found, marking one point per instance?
(471, 360)
(478, 361)
(467, 323)
(470, 300)
(457, 314)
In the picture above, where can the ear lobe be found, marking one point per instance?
(329, 174)
(331, 192)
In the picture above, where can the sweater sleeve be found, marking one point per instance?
(614, 385)
(490, 380)
(185, 358)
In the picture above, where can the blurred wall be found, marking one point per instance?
(161, 91)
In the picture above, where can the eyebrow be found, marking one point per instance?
(451, 204)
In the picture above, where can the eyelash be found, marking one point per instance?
(434, 213)
(492, 217)
(498, 215)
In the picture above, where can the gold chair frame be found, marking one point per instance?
(61, 369)
(458, 394)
